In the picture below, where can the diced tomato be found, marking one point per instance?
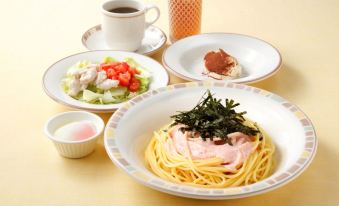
(124, 73)
(134, 85)
(133, 71)
(120, 68)
(111, 73)
(124, 79)
(105, 67)
(108, 66)
(125, 65)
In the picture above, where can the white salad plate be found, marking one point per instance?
(291, 131)
(154, 40)
(52, 78)
(258, 59)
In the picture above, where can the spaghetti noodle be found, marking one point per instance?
(209, 172)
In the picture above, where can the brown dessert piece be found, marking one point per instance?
(219, 62)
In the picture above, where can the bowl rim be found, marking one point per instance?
(271, 73)
(265, 185)
(62, 115)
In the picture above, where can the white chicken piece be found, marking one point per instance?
(77, 72)
(74, 87)
(88, 75)
(100, 77)
(108, 84)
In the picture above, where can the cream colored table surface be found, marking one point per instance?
(36, 33)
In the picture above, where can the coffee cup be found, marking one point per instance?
(124, 23)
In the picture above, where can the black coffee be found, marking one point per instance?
(123, 10)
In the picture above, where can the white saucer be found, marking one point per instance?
(155, 39)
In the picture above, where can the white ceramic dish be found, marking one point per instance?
(259, 59)
(54, 74)
(154, 40)
(74, 149)
(292, 133)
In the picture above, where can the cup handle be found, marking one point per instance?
(149, 7)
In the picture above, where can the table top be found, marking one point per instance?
(36, 33)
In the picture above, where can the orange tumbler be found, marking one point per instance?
(184, 18)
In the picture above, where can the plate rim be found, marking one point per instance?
(271, 73)
(119, 161)
(103, 110)
(98, 28)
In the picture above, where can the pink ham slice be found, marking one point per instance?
(233, 156)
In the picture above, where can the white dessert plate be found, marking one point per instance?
(56, 72)
(154, 40)
(290, 129)
(259, 59)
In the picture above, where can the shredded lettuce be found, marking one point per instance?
(107, 97)
(144, 73)
(90, 96)
(65, 82)
(119, 91)
(109, 59)
(144, 84)
(83, 64)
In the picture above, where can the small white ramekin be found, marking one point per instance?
(74, 149)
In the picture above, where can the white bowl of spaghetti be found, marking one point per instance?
(165, 141)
